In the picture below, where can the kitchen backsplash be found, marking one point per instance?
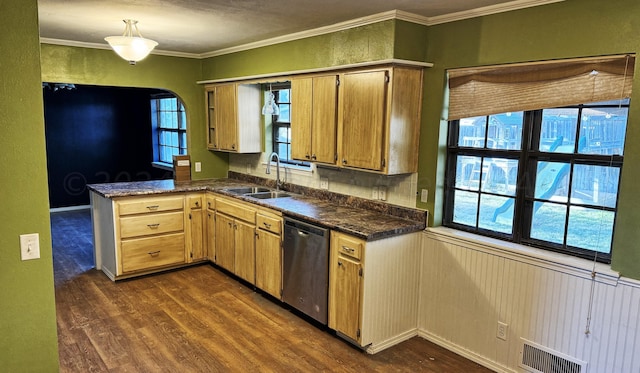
(401, 190)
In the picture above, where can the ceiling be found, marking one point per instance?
(197, 28)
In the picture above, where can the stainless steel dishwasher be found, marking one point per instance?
(306, 268)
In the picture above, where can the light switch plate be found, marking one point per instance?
(424, 197)
(198, 166)
(30, 246)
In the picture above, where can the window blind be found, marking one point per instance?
(537, 85)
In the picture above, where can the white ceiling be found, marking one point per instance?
(195, 28)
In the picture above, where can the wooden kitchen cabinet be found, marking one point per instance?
(235, 237)
(138, 235)
(379, 119)
(368, 282)
(195, 224)
(345, 285)
(210, 240)
(269, 252)
(233, 117)
(314, 115)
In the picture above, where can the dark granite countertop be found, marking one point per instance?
(366, 219)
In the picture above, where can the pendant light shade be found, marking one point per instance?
(130, 47)
(270, 107)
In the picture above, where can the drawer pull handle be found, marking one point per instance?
(153, 207)
(267, 225)
(153, 226)
(349, 249)
(154, 253)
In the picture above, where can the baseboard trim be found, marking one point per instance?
(464, 352)
(69, 208)
(373, 349)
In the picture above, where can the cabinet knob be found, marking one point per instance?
(313, 157)
(197, 203)
(339, 264)
(344, 161)
(233, 146)
(307, 156)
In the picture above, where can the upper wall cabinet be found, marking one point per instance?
(379, 119)
(233, 117)
(314, 118)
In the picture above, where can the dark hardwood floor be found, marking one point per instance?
(199, 319)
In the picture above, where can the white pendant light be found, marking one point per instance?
(270, 107)
(132, 48)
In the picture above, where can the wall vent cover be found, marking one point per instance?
(539, 359)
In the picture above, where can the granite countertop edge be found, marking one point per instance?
(348, 215)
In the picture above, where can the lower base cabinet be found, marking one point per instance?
(373, 289)
(269, 253)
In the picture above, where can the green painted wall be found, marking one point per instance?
(573, 28)
(28, 339)
(178, 75)
(361, 44)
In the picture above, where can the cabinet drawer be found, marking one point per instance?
(211, 202)
(150, 205)
(236, 210)
(350, 246)
(194, 202)
(145, 253)
(144, 225)
(269, 223)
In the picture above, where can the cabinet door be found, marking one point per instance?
(245, 256)
(362, 110)
(324, 119)
(301, 112)
(225, 242)
(211, 235)
(210, 98)
(195, 227)
(269, 262)
(226, 117)
(346, 297)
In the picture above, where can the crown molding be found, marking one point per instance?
(488, 10)
(341, 26)
(81, 44)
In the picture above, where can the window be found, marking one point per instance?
(169, 121)
(547, 178)
(281, 125)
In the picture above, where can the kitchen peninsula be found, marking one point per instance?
(151, 226)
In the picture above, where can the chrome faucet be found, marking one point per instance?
(268, 171)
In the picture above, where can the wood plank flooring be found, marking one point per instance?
(199, 319)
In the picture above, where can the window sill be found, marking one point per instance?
(162, 166)
(295, 169)
(548, 259)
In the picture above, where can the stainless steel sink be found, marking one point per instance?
(268, 195)
(247, 190)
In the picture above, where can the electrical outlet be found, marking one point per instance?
(382, 193)
(424, 197)
(374, 193)
(502, 331)
(198, 166)
(30, 246)
(324, 183)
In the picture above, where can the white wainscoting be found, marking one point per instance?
(468, 285)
